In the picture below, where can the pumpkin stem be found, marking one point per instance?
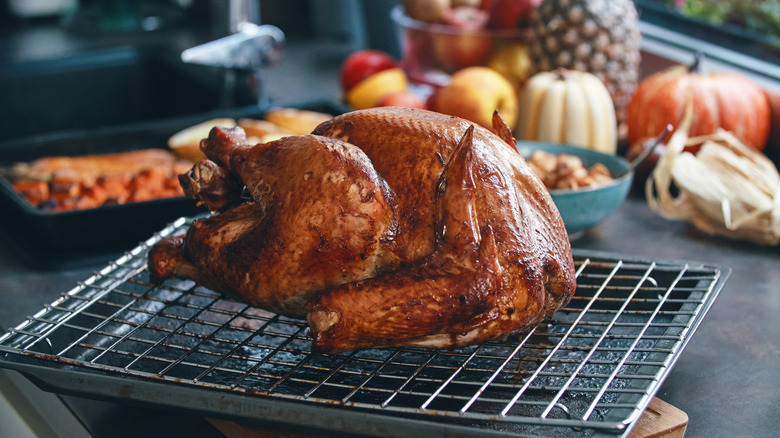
(695, 66)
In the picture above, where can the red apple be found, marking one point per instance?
(465, 18)
(403, 98)
(362, 64)
(455, 52)
(511, 14)
(465, 44)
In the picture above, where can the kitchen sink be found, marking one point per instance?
(101, 88)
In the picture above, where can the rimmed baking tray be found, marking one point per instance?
(590, 370)
(58, 239)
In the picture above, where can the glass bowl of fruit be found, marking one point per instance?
(440, 37)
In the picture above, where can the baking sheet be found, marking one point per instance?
(63, 239)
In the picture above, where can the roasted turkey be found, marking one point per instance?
(384, 227)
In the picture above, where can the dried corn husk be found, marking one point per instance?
(727, 188)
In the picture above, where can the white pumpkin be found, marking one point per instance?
(568, 106)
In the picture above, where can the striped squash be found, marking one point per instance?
(570, 107)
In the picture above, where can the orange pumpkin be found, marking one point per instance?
(720, 100)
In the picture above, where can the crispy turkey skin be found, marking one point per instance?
(385, 227)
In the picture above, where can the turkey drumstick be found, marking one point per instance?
(319, 216)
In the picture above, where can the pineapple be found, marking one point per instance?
(598, 36)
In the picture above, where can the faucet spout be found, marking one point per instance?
(241, 52)
(241, 56)
(242, 11)
(252, 47)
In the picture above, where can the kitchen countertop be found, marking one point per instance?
(726, 380)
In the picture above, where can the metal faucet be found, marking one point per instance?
(240, 11)
(244, 53)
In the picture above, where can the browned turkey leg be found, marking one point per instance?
(319, 217)
(429, 304)
(453, 287)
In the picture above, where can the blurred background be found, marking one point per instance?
(79, 77)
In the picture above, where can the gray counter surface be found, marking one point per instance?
(727, 378)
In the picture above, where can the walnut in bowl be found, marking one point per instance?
(586, 186)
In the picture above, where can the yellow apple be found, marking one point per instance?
(368, 92)
(512, 61)
(474, 93)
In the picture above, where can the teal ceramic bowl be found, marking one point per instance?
(584, 208)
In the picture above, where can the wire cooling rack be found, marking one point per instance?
(590, 370)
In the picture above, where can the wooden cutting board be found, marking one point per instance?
(660, 420)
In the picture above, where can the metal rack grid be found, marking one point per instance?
(589, 370)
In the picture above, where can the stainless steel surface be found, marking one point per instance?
(591, 369)
(238, 12)
(242, 58)
(251, 48)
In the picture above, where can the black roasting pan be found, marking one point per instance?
(56, 239)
